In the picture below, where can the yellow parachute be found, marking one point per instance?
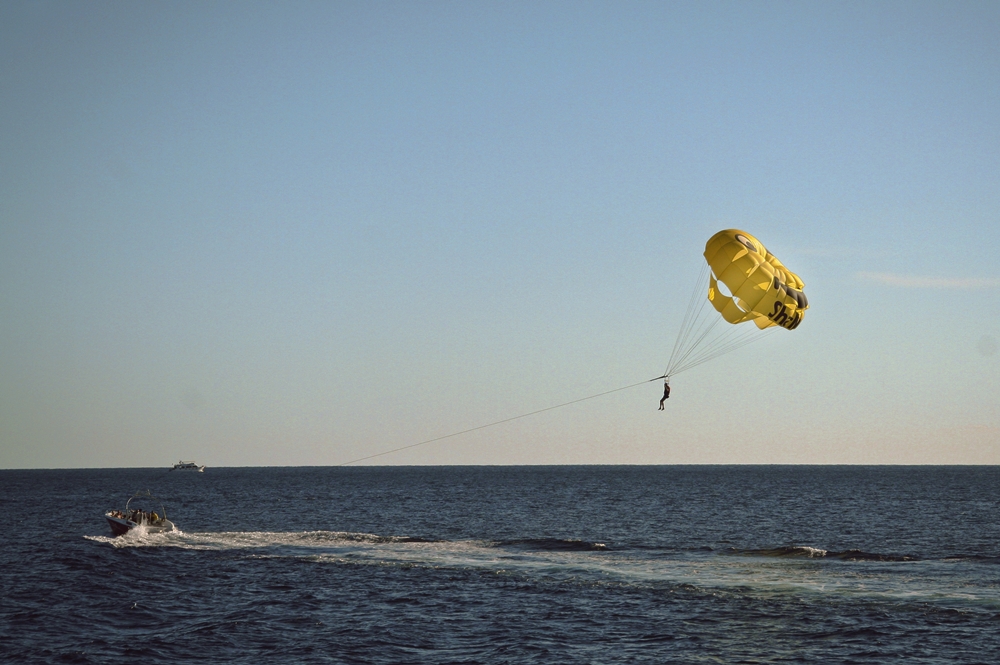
(760, 288)
(745, 283)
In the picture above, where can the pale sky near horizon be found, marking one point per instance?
(300, 233)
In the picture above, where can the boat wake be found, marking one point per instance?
(140, 536)
(801, 571)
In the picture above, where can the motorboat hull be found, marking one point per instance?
(121, 526)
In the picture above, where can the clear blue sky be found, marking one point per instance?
(300, 233)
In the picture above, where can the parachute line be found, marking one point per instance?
(694, 307)
(698, 339)
(498, 422)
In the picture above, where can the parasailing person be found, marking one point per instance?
(666, 393)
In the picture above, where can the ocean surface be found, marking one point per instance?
(577, 564)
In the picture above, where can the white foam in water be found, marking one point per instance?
(812, 551)
(139, 537)
(809, 573)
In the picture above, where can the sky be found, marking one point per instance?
(303, 233)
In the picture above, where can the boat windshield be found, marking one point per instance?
(144, 505)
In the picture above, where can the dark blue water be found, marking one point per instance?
(717, 564)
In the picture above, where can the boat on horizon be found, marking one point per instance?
(188, 466)
(142, 514)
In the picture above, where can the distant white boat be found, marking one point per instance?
(188, 466)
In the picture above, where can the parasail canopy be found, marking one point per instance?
(748, 283)
(745, 283)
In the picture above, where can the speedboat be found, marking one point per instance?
(140, 514)
(188, 466)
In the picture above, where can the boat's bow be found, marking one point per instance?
(119, 526)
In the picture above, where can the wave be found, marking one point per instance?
(791, 551)
(978, 558)
(551, 545)
(859, 555)
(817, 553)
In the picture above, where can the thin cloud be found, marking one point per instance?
(917, 282)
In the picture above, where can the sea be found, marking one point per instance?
(534, 564)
